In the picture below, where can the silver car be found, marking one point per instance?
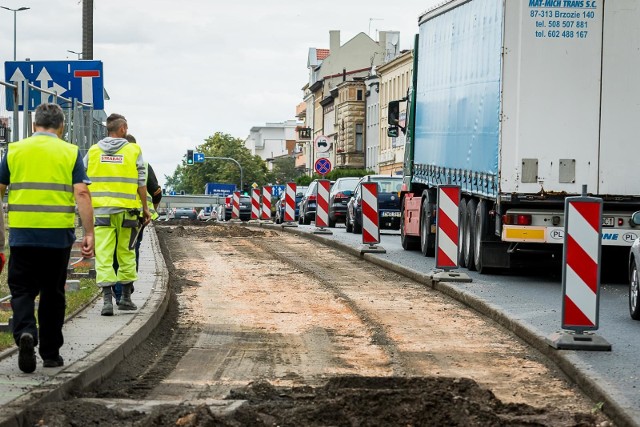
(634, 278)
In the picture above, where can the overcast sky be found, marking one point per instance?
(182, 70)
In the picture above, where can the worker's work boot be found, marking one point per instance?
(125, 301)
(107, 296)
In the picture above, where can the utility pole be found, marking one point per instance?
(87, 29)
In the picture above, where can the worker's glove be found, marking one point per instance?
(3, 261)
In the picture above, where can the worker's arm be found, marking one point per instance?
(83, 200)
(153, 187)
(146, 214)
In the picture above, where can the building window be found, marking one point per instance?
(359, 138)
(359, 95)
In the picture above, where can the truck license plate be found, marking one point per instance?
(608, 221)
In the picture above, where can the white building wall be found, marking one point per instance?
(372, 137)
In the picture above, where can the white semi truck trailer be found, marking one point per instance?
(521, 103)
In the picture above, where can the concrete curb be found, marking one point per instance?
(587, 384)
(100, 363)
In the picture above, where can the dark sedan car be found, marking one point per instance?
(307, 206)
(339, 196)
(245, 208)
(185, 213)
(388, 203)
(280, 204)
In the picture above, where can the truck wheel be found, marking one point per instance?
(427, 238)
(470, 235)
(634, 292)
(462, 217)
(409, 243)
(481, 225)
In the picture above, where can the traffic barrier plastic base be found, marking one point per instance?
(322, 230)
(449, 276)
(289, 224)
(375, 249)
(568, 340)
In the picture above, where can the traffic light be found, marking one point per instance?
(189, 157)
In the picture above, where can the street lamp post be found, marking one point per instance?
(15, 12)
(77, 53)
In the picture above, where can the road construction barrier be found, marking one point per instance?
(447, 223)
(581, 266)
(255, 204)
(290, 202)
(266, 202)
(370, 217)
(322, 203)
(235, 207)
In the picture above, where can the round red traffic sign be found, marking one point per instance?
(322, 166)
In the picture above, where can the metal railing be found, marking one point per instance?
(81, 128)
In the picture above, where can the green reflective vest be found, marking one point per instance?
(114, 177)
(41, 189)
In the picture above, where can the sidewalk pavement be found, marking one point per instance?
(94, 344)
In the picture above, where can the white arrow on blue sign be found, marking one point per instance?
(80, 80)
(198, 157)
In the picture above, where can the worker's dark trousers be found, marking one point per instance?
(33, 271)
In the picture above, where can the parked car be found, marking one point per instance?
(280, 204)
(339, 196)
(634, 277)
(307, 207)
(245, 207)
(388, 203)
(185, 213)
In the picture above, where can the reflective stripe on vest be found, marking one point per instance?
(114, 177)
(41, 188)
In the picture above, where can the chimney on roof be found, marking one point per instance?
(334, 40)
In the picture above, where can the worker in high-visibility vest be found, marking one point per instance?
(154, 195)
(47, 180)
(118, 192)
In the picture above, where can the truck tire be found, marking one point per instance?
(461, 221)
(409, 243)
(427, 238)
(634, 291)
(481, 225)
(470, 235)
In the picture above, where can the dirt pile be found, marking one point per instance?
(343, 401)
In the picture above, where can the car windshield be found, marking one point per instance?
(301, 190)
(345, 184)
(388, 185)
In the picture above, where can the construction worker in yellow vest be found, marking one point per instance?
(118, 193)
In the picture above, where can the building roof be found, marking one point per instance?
(322, 53)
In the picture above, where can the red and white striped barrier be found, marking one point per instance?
(370, 217)
(322, 203)
(266, 202)
(235, 207)
(581, 266)
(255, 204)
(447, 227)
(290, 202)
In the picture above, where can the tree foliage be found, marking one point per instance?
(192, 179)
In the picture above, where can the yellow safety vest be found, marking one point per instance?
(114, 177)
(41, 189)
(152, 209)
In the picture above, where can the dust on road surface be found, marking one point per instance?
(307, 335)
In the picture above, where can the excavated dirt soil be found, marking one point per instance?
(306, 335)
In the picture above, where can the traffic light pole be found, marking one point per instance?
(233, 160)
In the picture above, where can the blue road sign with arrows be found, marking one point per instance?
(80, 80)
(198, 157)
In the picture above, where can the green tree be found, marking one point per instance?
(284, 170)
(192, 179)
